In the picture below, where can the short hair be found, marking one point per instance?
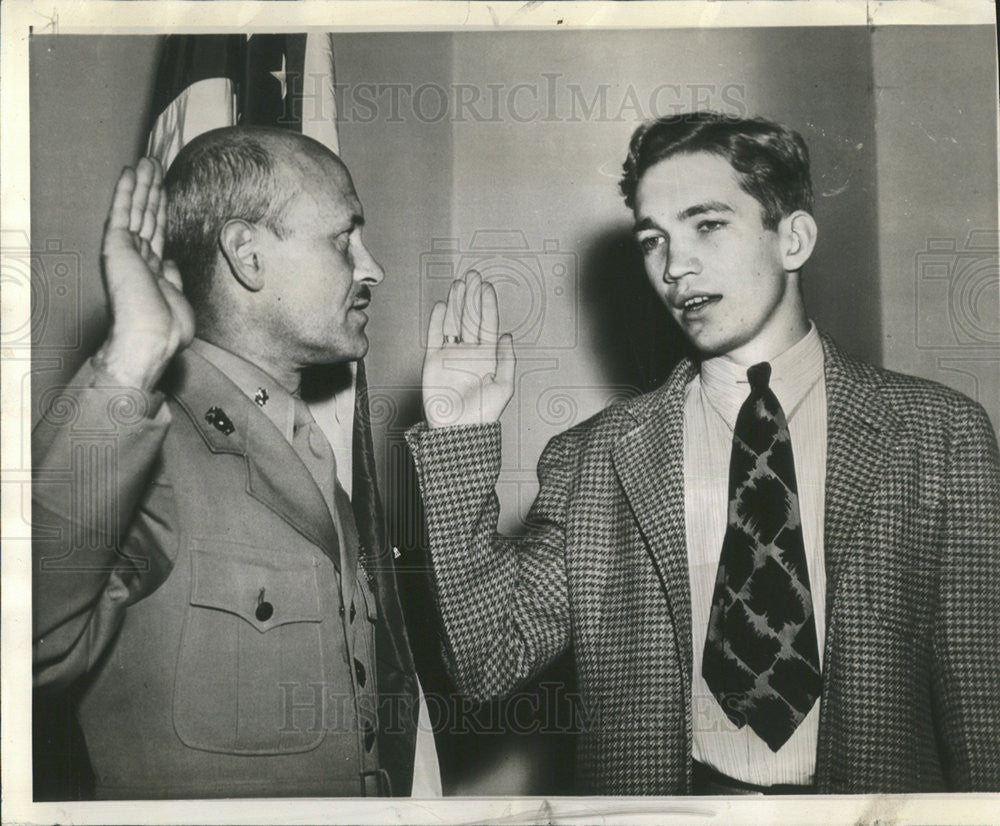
(771, 160)
(223, 174)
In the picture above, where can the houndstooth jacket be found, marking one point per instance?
(911, 683)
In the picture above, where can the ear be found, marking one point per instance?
(239, 244)
(797, 238)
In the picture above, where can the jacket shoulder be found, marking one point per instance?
(911, 398)
(601, 430)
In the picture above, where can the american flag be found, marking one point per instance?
(208, 81)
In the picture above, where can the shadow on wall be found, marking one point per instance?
(638, 341)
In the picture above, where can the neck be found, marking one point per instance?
(286, 374)
(771, 342)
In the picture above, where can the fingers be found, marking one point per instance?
(472, 309)
(145, 172)
(472, 314)
(453, 313)
(435, 327)
(505, 362)
(156, 242)
(121, 205)
(489, 325)
(151, 211)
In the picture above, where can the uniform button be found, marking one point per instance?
(369, 735)
(341, 610)
(264, 610)
(359, 670)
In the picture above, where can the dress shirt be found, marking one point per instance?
(711, 405)
(279, 406)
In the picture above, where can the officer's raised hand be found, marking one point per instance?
(468, 375)
(151, 320)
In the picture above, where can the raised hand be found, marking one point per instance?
(468, 373)
(151, 318)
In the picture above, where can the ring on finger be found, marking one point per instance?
(452, 340)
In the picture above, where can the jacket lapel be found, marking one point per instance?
(649, 462)
(859, 440)
(860, 434)
(276, 476)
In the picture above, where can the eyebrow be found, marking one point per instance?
(683, 215)
(701, 209)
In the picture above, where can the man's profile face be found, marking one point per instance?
(708, 254)
(320, 274)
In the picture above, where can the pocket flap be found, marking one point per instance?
(265, 588)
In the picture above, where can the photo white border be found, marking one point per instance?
(17, 19)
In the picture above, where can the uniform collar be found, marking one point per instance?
(260, 387)
(793, 374)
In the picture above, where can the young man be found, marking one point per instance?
(777, 571)
(201, 571)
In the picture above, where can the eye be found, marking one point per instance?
(710, 226)
(341, 241)
(650, 243)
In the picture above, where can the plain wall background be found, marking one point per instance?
(901, 124)
(937, 181)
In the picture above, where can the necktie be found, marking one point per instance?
(312, 446)
(761, 660)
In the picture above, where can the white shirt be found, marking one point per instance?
(335, 417)
(711, 404)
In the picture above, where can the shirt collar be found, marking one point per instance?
(793, 374)
(260, 387)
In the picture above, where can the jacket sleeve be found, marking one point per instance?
(97, 521)
(503, 601)
(967, 632)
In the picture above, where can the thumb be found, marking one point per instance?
(172, 274)
(506, 362)
(435, 328)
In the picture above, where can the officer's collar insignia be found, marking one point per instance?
(261, 397)
(217, 417)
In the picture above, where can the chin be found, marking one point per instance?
(342, 351)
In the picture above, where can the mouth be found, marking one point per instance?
(362, 299)
(694, 305)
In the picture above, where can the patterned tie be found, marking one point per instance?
(312, 446)
(761, 660)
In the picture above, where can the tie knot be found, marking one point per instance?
(759, 375)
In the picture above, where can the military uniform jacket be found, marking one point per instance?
(911, 683)
(186, 570)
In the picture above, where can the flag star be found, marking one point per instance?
(281, 77)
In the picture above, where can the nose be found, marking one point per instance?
(680, 262)
(366, 269)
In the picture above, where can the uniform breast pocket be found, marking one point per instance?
(252, 641)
